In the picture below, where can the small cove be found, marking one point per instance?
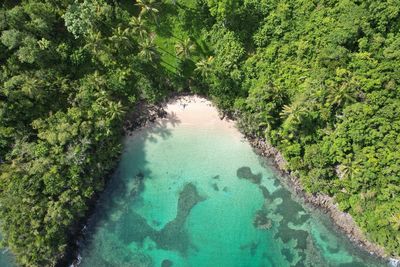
(190, 191)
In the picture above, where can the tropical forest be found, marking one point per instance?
(317, 81)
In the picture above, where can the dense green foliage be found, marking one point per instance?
(320, 81)
(67, 77)
(317, 79)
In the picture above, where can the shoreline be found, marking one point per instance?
(144, 115)
(326, 204)
(140, 117)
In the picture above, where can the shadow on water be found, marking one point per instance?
(115, 226)
(119, 235)
(120, 190)
(127, 182)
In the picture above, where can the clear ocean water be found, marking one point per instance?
(191, 195)
(6, 259)
(185, 195)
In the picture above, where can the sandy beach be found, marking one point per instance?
(195, 110)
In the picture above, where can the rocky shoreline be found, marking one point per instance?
(144, 114)
(141, 115)
(148, 113)
(341, 219)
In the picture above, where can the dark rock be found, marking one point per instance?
(215, 186)
(246, 173)
(166, 263)
(261, 220)
(141, 114)
(342, 219)
(140, 175)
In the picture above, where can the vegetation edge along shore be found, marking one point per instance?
(318, 80)
(142, 118)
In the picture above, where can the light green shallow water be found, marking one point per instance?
(186, 195)
(193, 209)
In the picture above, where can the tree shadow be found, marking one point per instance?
(126, 183)
(167, 13)
(158, 129)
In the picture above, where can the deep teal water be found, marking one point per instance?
(6, 259)
(185, 195)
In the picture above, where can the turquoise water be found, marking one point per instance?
(185, 195)
(6, 259)
(197, 195)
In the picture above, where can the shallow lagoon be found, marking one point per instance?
(195, 194)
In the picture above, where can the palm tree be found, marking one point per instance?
(101, 96)
(341, 96)
(147, 7)
(185, 48)
(138, 26)
(293, 113)
(29, 86)
(395, 221)
(95, 42)
(348, 168)
(345, 91)
(120, 39)
(148, 50)
(204, 66)
(115, 110)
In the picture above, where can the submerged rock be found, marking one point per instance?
(261, 220)
(215, 186)
(252, 247)
(140, 175)
(166, 263)
(173, 236)
(246, 173)
(312, 255)
(394, 262)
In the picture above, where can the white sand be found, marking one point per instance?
(191, 111)
(188, 112)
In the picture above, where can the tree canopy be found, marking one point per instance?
(319, 80)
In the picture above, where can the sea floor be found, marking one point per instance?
(190, 191)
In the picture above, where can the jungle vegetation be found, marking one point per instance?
(320, 80)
